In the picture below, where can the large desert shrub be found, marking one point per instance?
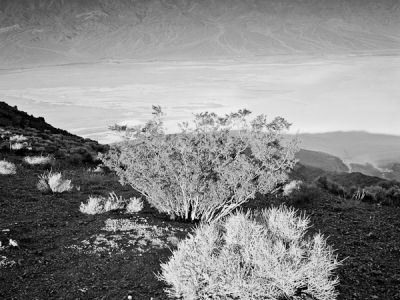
(252, 257)
(7, 168)
(212, 166)
(53, 181)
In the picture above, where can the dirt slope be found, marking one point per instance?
(64, 254)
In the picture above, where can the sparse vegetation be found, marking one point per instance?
(214, 165)
(22, 133)
(53, 182)
(382, 192)
(331, 186)
(121, 225)
(306, 193)
(377, 194)
(7, 168)
(134, 205)
(18, 138)
(290, 187)
(100, 204)
(17, 146)
(252, 257)
(38, 160)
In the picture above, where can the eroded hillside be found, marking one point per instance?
(37, 32)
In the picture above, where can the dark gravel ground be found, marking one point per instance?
(47, 227)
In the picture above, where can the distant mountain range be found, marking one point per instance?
(35, 32)
(356, 147)
(354, 151)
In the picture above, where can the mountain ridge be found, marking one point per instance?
(51, 32)
(12, 116)
(355, 146)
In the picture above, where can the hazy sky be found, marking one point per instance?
(315, 94)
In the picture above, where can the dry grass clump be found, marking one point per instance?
(53, 182)
(18, 142)
(134, 205)
(290, 187)
(301, 193)
(38, 160)
(17, 146)
(253, 257)
(6, 262)
(18, 138)
(121, 225)
(99, 204)
(7, 168)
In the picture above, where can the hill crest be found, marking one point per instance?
(34, 136)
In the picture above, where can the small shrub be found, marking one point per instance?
(98, 170)
(374, 194)
(290, 187)
(7, 168)
(18, 146)
(53, 182)
(18, 143)
(90, 177)
(305, 194)
(18, 139)
(331, 186)
(38, 160)
(214, 165)
(100, 204)
(248, 257)
(121, 225)
(377, 194)
(74, 159)
(134, 205)
(393, 196)
(357, 193)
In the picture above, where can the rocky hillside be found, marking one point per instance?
(368, 153)
(10, 116)
(24, 134)
(57, 31)
(323, 161)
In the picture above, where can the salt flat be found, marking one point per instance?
(316, 94)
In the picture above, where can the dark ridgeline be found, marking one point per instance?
(11, 116)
